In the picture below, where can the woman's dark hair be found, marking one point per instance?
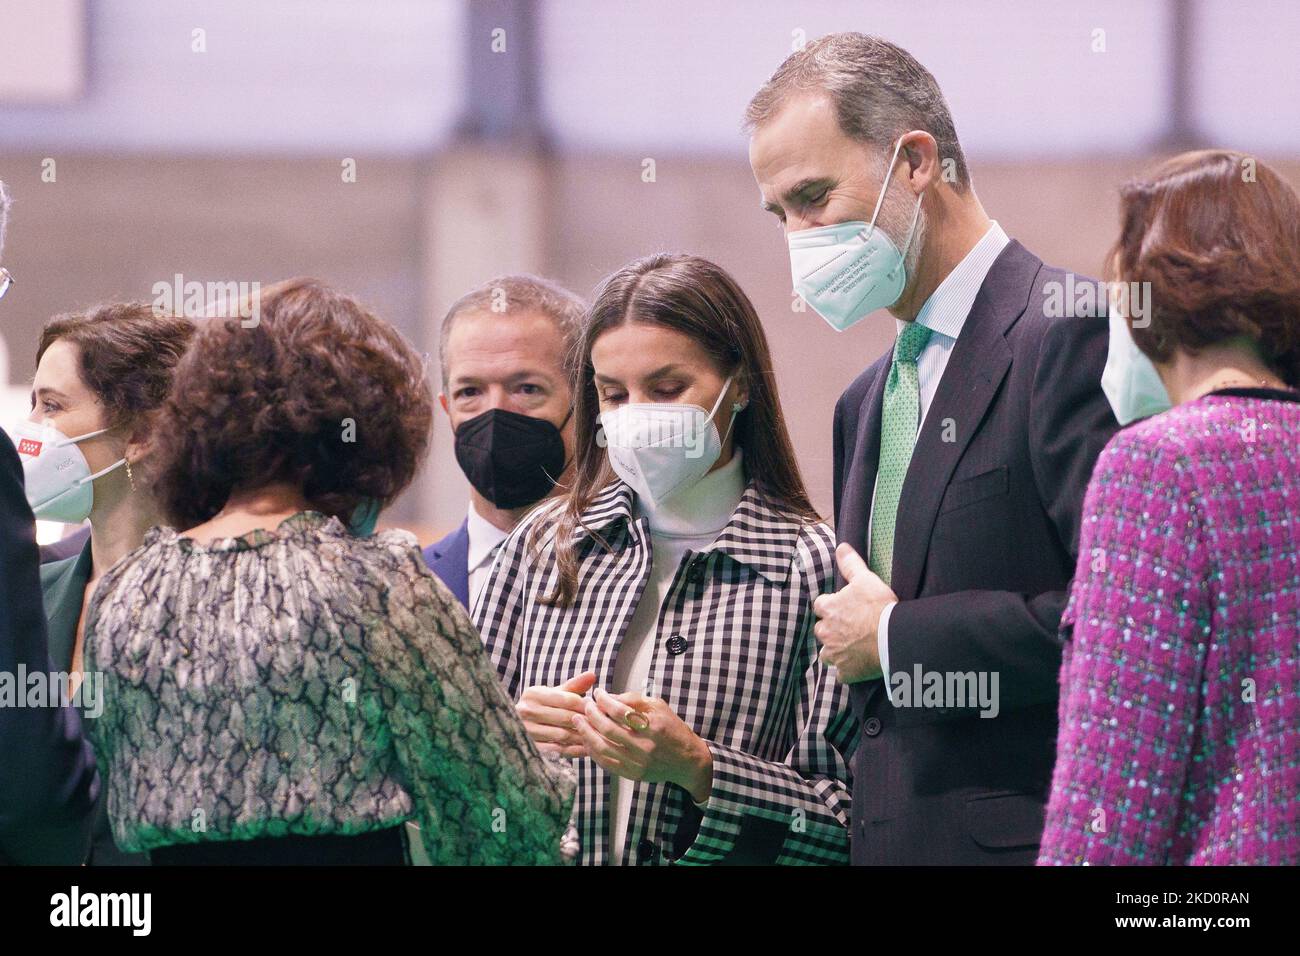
(699, 299)
(319, 394)
(127, 354)
(1217, 234)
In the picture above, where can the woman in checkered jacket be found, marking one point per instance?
(655, 624)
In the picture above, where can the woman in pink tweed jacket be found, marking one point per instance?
(1180, 685)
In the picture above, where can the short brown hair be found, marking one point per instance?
(513, 294)
(127, 354)
(879, 90)
(320, 394)
(1217, 234)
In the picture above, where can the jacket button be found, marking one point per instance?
(695, 573)
(872, 726)
(646, 852)
(677, 644)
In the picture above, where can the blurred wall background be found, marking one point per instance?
(147, 138)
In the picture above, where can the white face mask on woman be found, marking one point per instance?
(59, 484)
(661, 448)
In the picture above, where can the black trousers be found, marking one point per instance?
(386, 847)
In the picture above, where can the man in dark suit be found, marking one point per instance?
(48, 782)
(961, 456)
(503, 350)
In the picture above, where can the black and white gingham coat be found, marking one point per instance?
(734, 657)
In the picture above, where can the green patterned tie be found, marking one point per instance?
(899, 420)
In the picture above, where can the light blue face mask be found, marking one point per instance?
(848, 270)
(364, 517)
(1131, 383)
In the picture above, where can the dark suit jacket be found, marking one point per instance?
(48, 781)
(449, 559)
(66, 547)
(63, 586)
(985, 544)
(63, 590)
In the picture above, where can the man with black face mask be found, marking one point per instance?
(505, 381)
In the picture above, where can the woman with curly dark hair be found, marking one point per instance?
(282, 685)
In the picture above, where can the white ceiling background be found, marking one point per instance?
(387, 76)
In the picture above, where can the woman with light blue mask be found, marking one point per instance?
(1180, 678)
(101, 376)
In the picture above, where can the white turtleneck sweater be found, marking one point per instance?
(690, 520)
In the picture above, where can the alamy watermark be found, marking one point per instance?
(25, 688)
(663, 428)
(131, 911)
(209, 300)
(1080, 298)
(944, 690)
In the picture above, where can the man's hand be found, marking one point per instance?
(547, 713)
(848, 619)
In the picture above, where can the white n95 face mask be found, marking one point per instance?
(59, 484)
(1131, 383)
(848, 270)
(661, 448)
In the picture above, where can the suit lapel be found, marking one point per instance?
(863, 464)
(975, 369)
(451, 563)
(63, 602)
(859, 489)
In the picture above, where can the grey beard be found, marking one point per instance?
(895, 220)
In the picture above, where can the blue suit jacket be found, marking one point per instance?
(48, 782)
(449, 559)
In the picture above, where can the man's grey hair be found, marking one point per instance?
(515, 295)
(4, 215)
(879, 91)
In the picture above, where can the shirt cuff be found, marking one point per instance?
(882, 644)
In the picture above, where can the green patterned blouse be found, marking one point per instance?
(306, 681)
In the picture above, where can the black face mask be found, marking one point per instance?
(512, 460)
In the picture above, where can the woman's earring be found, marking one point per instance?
(130, 477)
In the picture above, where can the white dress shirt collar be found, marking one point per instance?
(484, 537)
(946, 310)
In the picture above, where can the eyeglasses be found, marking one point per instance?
(6, 280)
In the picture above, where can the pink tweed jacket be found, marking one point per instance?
(1180, 686)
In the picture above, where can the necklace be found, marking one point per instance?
(1240, 382)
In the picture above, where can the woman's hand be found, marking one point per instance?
(548, 712)
(665, 750)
